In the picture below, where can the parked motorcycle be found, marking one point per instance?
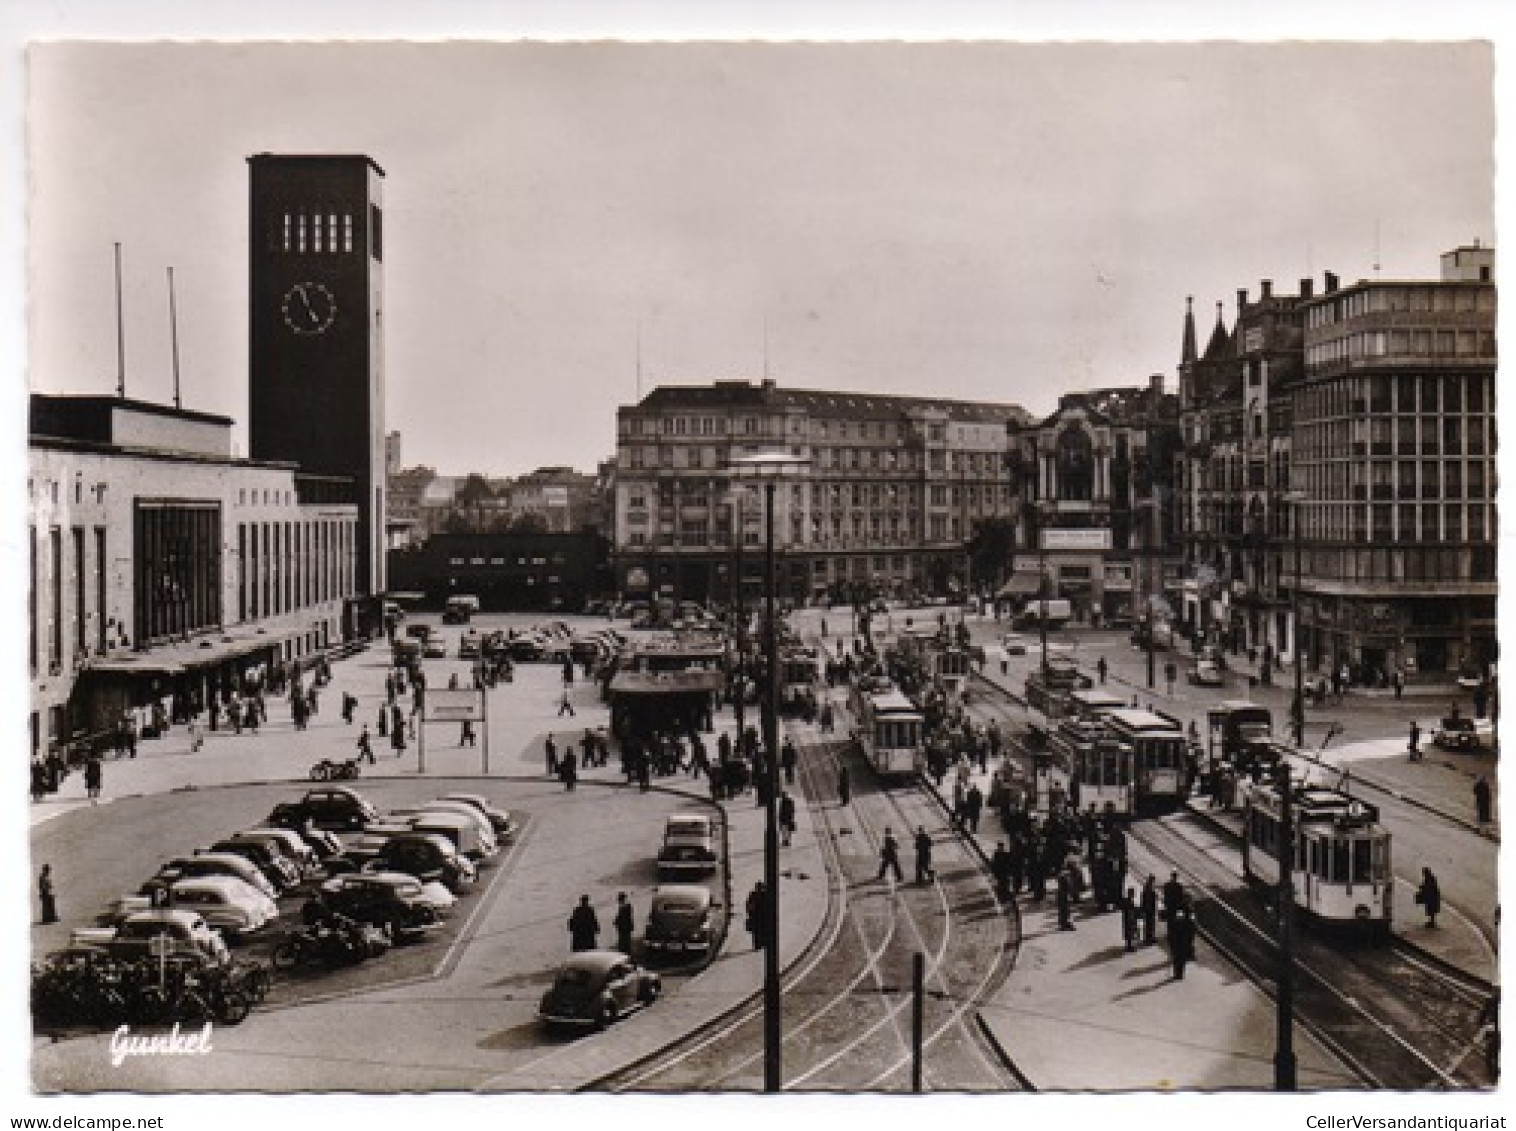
(329, 770)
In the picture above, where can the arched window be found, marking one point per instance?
(1076, 464)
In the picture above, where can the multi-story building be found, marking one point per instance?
(888, 494)
(559, 496)
(163, 568)
(1366, 415)
(508, 571)
(404, 518)
(1095, 503)
(1394, 458)
(1234, 472)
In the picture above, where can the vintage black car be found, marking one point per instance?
(596, 987)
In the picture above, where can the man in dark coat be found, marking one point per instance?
(1065, 900)
(623, 922)
(1181, 940)
(1147, 904)
(1429, 895)
(46, 896)
(786, 817)
(1000, 868)
(584, 927)
(1173, 897)
(924, 869)
(973, 805)
(889, 856)
(1482, 799)
(756, 911)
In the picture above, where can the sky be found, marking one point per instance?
(988, 221)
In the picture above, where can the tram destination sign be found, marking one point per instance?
(1081, 539)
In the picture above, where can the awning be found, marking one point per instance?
(1021, 584)
(175, 659)
(666, 683)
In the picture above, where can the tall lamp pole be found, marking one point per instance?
(1150, 546)
(1297, 709)
(769, 466)
(1284, 998)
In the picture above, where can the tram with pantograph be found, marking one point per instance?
(1151, 775)
(1341, 866)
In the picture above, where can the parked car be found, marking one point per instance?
(486, 825)
(427, 856)
(286, 815)
(1206, 672)
(1015, 645)
(328, 807)
(433, 894)
(500, 819)
(596, 987)
(392, 900)
(1463, 734)
(226, 903)
(277, 868)
(468, 645)
(435, 648)
(186, 930)
(211, 864)
(470, 833)
(689, 846)
(680, 920)
(295, 846)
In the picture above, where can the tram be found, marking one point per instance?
(950, 666)
(799, 671)
(1047, 692)
(892, 733)
(1154, 777)
(1342, 868)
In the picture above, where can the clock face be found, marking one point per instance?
(309, 308)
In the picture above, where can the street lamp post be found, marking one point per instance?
(1297, 710)
(1284, 998)
(769, 467)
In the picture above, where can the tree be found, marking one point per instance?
(991, 547)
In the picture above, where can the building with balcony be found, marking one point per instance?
(890, 491)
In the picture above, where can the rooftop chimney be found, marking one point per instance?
(1330, 285)
(1268, 288)
(1242, 298)
(1307, 288)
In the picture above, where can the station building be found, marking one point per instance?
(162, 568)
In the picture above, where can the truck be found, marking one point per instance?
(1054, 612)
(1239, 732)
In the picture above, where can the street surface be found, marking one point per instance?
(458, 1013)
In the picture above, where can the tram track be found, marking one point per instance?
(848, 997)
(1397, 1018)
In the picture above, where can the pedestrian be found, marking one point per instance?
(787, 760)
(1101, 667)
(1482, 799)
(1065, 894)
(786, 817)
(1398, 682)
(1429, 895)
(1173, 897)
(756, 910)
(384, 722)
(583, 926)
(94, 772)
(1129, 919)
(568, 771)
(1181, 940)
(973, 805)
(550, 750)
(349, 704)
(623, 923)
(45, 895)
(924, 870)
(1147, 905)
(565, 705)
(1415, 742)
(889, 857)
(196, 735)
(844, 787)
(466, 733)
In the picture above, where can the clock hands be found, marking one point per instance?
(310, 310)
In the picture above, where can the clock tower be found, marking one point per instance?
(316, 331)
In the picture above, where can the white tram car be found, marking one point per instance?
(1342, 872)
(892, 733)
(950, 666)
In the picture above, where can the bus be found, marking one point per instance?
(891, 732)
(1341, 864)
(1159, 773)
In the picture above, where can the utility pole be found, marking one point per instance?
(1284, 997)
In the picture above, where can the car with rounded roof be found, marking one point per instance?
(327, 807)
(276, 867)
(427, 856)
(225, 903)
(594, 988)
(434, 894)
(186, 931)
(393, 900)
(212, 864)
(681, 920)
(500, 819)
(689, 845)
